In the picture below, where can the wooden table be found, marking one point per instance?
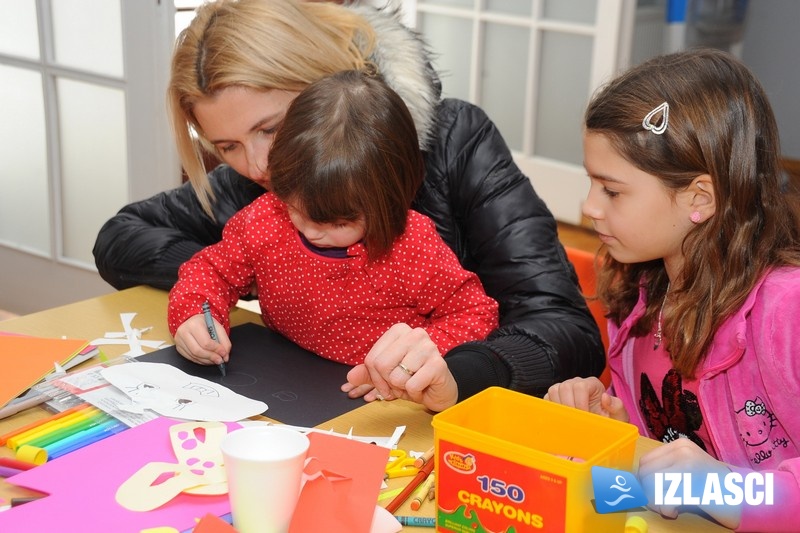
(91, 319)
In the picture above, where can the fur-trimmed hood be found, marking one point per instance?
(403, 59)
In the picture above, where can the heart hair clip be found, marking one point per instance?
(657, 119)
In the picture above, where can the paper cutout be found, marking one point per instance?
(131, 336)
(197, 469)
(213, 524)
(384, 522)
(171, 392)
(386, 442)
(300, 387)
(27, 360)
(344, 499)
(82, 487)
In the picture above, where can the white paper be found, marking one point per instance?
(171, 392)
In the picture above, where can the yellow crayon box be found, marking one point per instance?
(507, 462)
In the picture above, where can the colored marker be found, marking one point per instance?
(38, 431)
(213, 332)
(7, 471)
(84, 438)
(32, 425)
(94, 435)
(417, 521)
(67, 430)
(15, 463)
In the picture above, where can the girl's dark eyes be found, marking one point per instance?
(227, 148)
(610, 193)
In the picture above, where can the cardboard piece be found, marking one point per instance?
(299, 387)
(27, 360)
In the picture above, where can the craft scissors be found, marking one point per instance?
(400, 464)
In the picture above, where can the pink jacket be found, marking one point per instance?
(749, 384)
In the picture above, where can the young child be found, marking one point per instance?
(700, 276)
(335, 252)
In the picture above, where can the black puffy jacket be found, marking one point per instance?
(483, 206)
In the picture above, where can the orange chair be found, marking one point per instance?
(583, 262)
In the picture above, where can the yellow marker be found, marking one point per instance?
(422, 492)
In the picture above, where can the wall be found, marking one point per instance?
(770, 48)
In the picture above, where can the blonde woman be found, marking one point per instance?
(236, 69)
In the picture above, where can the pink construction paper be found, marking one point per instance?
(82, 487)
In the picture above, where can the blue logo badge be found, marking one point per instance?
(616, 490)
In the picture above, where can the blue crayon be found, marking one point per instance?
(417, 521)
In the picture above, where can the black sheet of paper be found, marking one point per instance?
(299, 387)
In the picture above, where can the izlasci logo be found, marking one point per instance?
(616, 490)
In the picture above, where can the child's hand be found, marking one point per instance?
(587, 394)
(683, 455)
(195, 344)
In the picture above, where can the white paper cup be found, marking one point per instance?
(264, 466)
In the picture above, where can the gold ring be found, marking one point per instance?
(405, 369)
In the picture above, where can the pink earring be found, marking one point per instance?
(695, 217)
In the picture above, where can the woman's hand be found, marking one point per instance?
(587, 394)
(683, 455)
(193, 341)
(404, 363)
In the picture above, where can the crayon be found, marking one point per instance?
(425, 457)
(422, 493)
(426, 469)
(416, 521)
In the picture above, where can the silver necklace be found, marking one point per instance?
(658, 334)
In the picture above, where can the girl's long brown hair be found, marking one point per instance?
(721, 124)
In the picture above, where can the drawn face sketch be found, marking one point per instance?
(171, 392)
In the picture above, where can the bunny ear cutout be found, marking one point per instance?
(657, 119)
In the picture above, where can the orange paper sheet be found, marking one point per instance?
(27, 360)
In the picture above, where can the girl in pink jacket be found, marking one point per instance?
(700, 273)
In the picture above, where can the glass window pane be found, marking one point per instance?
(512, 7)
(562, 96)
(583, 11)
(87, 35)
(450, 39)
(504, 77)
(19, 34)
(23, 151)
(93, 161)
(450, 3)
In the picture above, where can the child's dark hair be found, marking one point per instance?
(720, 124)
(348, 148)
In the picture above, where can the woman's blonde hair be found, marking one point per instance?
(260, 45)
